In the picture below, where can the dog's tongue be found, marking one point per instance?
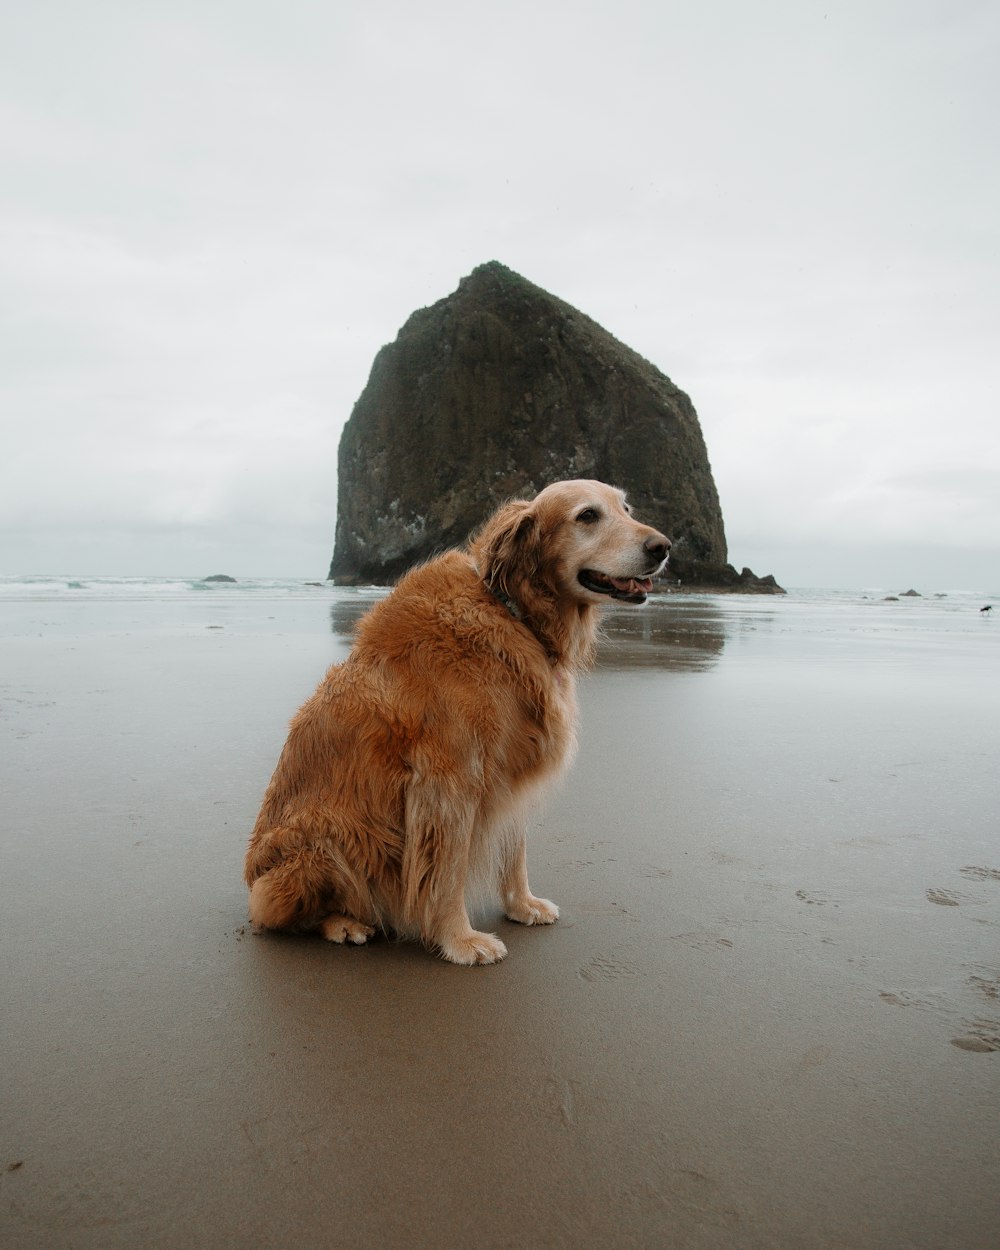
(632, 585)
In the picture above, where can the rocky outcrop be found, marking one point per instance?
(723, 579)
(493, 393)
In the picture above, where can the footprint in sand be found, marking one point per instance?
(980, 874)
(989, 986)
(902, 999)
(703, 940)
(943, 898)
(815, 898)
(608, 968)
(983, 1040)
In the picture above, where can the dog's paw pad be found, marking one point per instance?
(474, 948)
(343, 929)
(533, 911)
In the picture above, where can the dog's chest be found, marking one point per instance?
(556, 740)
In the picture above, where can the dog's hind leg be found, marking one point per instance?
(341, 929)
(311, 888)
(290, 895)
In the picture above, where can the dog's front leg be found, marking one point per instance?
(435, 872)
(518, 901)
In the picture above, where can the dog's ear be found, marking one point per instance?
(507, 548)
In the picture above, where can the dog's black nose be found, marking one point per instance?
(657, 546)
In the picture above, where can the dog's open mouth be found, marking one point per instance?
(631, 589)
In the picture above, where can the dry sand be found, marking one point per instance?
(768, 1017)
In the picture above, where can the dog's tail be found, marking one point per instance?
(294, 884)
(295, 893)
(268, 847)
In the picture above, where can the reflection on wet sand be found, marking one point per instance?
(675, 633)
(681, 634)
(349, 607)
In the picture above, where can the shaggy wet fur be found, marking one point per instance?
(406, 777)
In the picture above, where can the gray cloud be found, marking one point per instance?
(212, 218)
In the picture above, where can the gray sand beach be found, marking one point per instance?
(769, 1015)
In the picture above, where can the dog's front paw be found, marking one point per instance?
(473, 948)
(531, 910)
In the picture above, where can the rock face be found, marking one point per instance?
(493, 393)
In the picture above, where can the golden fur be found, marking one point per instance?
(405, 778)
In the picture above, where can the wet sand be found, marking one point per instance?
(769, 1016)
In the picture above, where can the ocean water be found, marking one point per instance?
(80, 587)
(46, 604)
(690, 632)
(50, 587)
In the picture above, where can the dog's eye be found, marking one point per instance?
(588, 516)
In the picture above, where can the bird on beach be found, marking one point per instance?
(988, 608)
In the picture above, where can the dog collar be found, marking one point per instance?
(512, 606)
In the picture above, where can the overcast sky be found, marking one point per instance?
(212, 215)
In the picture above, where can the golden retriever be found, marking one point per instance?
(406, 777)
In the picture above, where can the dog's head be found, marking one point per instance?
(576, 539)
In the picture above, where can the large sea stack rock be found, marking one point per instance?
(491, 394)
